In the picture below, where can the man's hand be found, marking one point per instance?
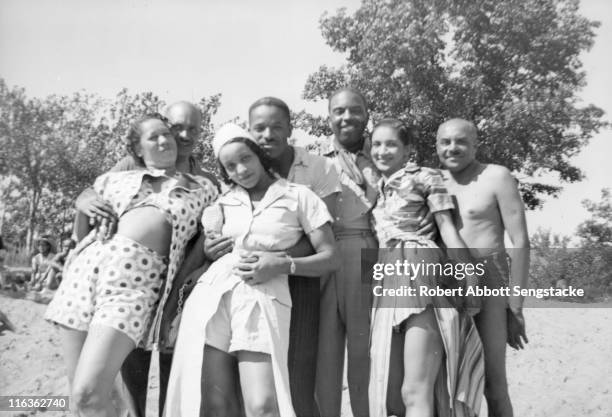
(258, 267)
(90, 203)
(216, 247)
(516, 328)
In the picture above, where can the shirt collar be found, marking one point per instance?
(191, 183)
(334, 147)
(409, 168)
(277, 189)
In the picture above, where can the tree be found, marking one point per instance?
(50, 145)
(597, 231)
(53, 148)
(513, 67)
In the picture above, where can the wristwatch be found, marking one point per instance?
(291, 266)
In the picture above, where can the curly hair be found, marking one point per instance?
(135, 132)
(265, 160)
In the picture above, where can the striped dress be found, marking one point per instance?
(407, 199)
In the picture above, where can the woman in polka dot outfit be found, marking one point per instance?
(240, 308)
(113, 291)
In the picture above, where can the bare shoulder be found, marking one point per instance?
(499, 175)
(494, 171)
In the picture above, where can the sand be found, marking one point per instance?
(566, 370)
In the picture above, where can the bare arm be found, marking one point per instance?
(513, 217)
(456, 247)
(304, 247)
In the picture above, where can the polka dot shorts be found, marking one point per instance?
(116, 284)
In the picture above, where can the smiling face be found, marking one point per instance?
(185, 120)
(271, 128)
(389, 153)
(157, 146)
(348, 118)
(456, 144)
(241, 164)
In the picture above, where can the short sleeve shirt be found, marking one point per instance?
(284, 214)
(316, 172)
(355, 202)
(408, 198)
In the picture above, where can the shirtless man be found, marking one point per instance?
(489, 204)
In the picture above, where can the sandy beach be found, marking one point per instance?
(565, 371)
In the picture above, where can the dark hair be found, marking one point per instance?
(406, 134)
(348, 89)
(265, 160)
(135, 131)
(272, 101)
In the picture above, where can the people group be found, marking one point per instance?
(251, 290)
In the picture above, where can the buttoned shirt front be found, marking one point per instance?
(407, 201)
(279, 220)
(355, 202)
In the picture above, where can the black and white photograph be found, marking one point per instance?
(340, 208)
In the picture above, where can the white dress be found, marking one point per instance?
(285, 213)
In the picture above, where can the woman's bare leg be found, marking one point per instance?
(423, 354)
(257, 383)
(72, 343)
(219, 385)
(103, 352)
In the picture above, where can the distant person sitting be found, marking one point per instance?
(53, 276)
(41, 262)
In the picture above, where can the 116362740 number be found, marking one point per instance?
(33, 402)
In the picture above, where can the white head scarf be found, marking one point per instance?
(226, 133)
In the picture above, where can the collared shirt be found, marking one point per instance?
(408, 199)
(355, 202)
(316, 172)
(129, 163)
(279, 220)
(184, 202)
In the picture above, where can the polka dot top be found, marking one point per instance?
(183, 199)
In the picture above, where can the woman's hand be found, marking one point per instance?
(216, 247)
(258, 267)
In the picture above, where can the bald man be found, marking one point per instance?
(185, 123)
(489, 205)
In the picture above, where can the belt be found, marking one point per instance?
(350, 233)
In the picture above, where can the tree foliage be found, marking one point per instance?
(513, 67)
(53, 148)
(597, 231)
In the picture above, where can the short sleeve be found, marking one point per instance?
(438, 198)
(127, 163)
(100, 183)
(213, 218)
(327, 179)
(312, 212)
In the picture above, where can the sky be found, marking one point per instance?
(188, 49)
